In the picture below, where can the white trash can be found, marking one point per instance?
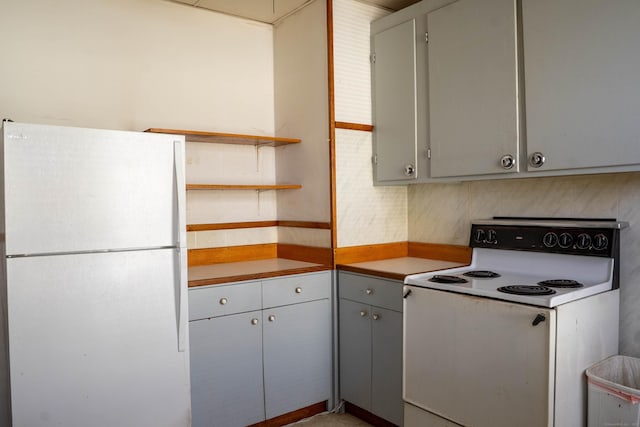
(614, 392)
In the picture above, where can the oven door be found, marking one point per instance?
(477, 361)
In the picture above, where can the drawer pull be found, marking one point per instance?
(254, 321)
(223, 301)
(271, 318)
(369, 291)
(376, 316)
(363, 313)
(298, 290)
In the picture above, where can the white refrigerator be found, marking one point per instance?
(93, 289)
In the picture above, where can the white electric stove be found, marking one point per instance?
(505, 341)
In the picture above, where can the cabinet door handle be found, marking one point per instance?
(369, 291)
(298, 290)
(376, 316)
(254, 321)
(409, 170)
(223, 301)
(271, 318)
(363, 313)
(537, 159)
(507, 161)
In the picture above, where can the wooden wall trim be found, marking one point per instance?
(306, 224)
(231, 225)
(354, 126)
(294, 416)
(259, 224)
(313, 254)
(332, 123)
(353, 254)
(453, 253)
(232, 254)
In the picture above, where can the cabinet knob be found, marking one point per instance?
(363, 313)
(537, 159)
(376, 316)
(254, 321)
(298, 290)
(507, 161)
(223, 301)
(409, 170)
(271, 318)
(369, 291)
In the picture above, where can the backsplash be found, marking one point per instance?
(442, 213)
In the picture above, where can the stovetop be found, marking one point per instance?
(511, 254)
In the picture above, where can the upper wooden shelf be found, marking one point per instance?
(228, 138)
(243, 187)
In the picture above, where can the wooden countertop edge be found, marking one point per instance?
(256, 276)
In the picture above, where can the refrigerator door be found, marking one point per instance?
(94, 340)
(72, 189)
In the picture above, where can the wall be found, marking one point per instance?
(149, 63)
(442, 213)
(133, 65)
(365, 214)
(302, 111)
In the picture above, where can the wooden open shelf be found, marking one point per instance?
(227, 138)
(243, 187)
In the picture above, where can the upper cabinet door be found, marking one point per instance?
(473, 88)
(582, 82)
(395, 103)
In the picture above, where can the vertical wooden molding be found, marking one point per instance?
(332, 124)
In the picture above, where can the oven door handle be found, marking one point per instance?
(539, 318)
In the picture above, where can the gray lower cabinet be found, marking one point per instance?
(297, 356)
(370, 328)
(226, 367)
(259, 349)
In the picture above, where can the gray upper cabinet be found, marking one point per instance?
(394, 103)
(506, 89)
(473, 88)
(582, 83)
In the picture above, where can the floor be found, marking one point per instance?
(330, 419)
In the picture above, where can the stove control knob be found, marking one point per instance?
(583, 241)
(565, 240)
(550, 239)
(478, 235)
(491, 237)
(600, 242)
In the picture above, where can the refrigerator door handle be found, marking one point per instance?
(182, 299)
(178, 164)
(181, 294)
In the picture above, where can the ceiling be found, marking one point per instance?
(270, 11)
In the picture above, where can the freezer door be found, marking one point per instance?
(93, 341)
(71, 189)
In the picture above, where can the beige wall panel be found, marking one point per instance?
(133, 65)
(304, 236)
(366, 214)
(301, 111)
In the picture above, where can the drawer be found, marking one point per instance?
(220, 300)
(370, 290)
(295, 289)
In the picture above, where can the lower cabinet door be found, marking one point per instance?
(386, 375)
(297, 356)
(226, 370)
(355, 353)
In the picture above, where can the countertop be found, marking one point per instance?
(213, 274)
(398, 268)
